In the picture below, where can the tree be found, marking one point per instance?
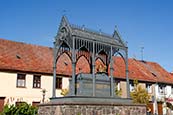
(139, 94)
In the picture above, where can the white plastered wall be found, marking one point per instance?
(28, 94)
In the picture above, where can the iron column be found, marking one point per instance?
(111, 74)
(73, 67)
(93, 69)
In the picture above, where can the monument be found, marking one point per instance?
(92, 93)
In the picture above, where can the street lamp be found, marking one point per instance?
(43, 94)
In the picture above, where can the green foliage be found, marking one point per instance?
(135, 82)
(118, 92)
(9, 110)
(22, 109)
(64, 92)
(140, 95)
(79, 113)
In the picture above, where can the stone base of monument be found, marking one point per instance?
(83, 105)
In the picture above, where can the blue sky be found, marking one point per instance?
(142, 23)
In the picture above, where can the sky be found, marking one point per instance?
(142, 23)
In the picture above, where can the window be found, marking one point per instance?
(131, 87)
(162, 89)
(37, 81)
(58, 83)
(21, 80)
(149, 88)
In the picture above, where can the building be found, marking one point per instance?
(25, 70)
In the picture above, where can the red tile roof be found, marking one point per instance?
(136, 70)
(25, 57)
(22, 57)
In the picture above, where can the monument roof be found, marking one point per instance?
(99, 36)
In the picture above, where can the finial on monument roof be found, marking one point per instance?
(64, 19)
(64, 15)
(116, 28)
(115, 31)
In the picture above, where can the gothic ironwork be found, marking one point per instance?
(79, 41)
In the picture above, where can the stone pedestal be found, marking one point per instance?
(83, 105)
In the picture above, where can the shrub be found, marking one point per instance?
(21, 109)
(64, 92)
(140, 95)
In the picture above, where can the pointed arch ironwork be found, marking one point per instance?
(82, 56)
(63, 48)
(121, 55)
(83, 51)
(103, 56)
